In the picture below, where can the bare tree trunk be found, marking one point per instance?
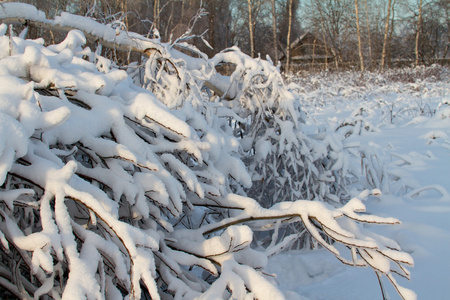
(337, 57)
(361, 58)
(123, 8)
(419, 27)
(156, 14)
(288, 48)
(250, 29)
(212, 31)
(182, 10)
(315, 40)
(274, 30)
(314, 50)
(324, 36)
(169, 22)
(447, 47)
(368, 33)
(386, 34)
(391, 33)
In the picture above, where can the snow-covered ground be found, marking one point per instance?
(415, 146)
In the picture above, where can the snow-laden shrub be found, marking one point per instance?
(107, 193)
(284, 162)
(265, 116)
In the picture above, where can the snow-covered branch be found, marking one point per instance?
(113, 38)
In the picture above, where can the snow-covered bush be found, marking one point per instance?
(284, 162)
(265, 116)
(392, 97)
(108, 193)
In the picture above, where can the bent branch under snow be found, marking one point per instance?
(113, 38)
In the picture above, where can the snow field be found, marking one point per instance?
(414, 149)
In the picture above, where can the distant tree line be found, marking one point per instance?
(320, 34)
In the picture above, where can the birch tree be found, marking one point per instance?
(361, 58)
(156, 13)
(274, 30)
(419, 28)
(368, 33)
(288, 44)
(386, 35)
(251, 28)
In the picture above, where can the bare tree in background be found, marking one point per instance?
(315, 42)
(156, 13)
(419, 25)
(361, 58)
(434, 37)
(274, 30)
(368, 33)
(445, 4)
(250, 29)
(323, 30)
(386, 35)
(336, 17)
(288, 44)
(124, 8)
(391, 34)
(269, 27)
